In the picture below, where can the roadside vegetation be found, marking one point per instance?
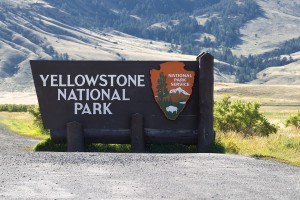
(293, 120)
(14, 108)
(241, 117)
(275, 142)
(21, 123)
(283, 146)
(242, 128)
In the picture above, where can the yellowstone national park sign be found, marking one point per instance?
(127, 102)
(91, 92)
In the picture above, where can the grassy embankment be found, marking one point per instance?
(18, 120)
(21, 123)
(278, 103)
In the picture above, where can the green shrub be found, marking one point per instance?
(241, 117)
(36, 113)
(14, 107)
(293, 121)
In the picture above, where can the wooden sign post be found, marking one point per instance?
(127, 102)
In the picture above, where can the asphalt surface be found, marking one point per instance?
(32, 175)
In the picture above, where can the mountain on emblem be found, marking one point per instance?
(178, 90)
(172, 87)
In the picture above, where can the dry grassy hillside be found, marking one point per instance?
(280, 97)
(280, 23)
(284, 75)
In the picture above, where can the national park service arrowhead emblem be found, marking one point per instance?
(172, 87)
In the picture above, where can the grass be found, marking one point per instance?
(283, 146)
(14, 107)
(278, 103)
(21, 123)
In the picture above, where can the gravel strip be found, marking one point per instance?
(46, 175)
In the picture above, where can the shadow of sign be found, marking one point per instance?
(113, 102)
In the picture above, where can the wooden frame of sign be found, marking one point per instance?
(127, 102)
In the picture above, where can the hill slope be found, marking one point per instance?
(283, 75)
(280, 23)
(28, 31)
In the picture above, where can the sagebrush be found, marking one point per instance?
(293, 120)
(36, 113)
(241, 117)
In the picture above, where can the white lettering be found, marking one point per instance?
(131, 80)
(116, 96)
(91, 80)
(80, 93)
(180, 79)
(141, 81)
(87, 95)
(69, 81)
(77, 82)
(86, 110)
(103, 80)
(97, 107)
(112, 79)
(124, 95)
(180, 84)
(106, 109)
(61, 93)
(124, 80)
(106, 94)
(78, 106)
(97, 96)
(44, 79)
(60, 82)
(72, 95)
(53, 81)
(180, 75)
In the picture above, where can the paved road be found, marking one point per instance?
(31, 175)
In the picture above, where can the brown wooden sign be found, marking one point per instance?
(104, 96)
(90, 92)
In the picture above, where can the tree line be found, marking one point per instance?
(249, 66)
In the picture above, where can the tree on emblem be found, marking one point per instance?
(161, 88)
